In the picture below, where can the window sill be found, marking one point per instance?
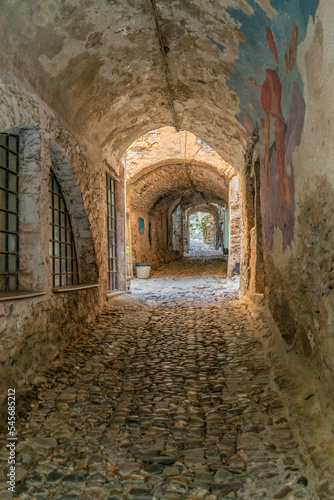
(114, 293)
(19, 295)
(74, 288)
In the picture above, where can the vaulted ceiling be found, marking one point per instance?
(184, 181)
(113, 69)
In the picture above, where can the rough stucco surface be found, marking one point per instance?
(299, 279)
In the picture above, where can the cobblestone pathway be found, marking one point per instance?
(202, 249)
(163, 401)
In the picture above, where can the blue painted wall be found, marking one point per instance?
(255, 55)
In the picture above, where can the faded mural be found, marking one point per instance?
(273, 101)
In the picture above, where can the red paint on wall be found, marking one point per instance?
(289, 60)
(293, 47)
(271, 42)
(248, 123)
(271, 95)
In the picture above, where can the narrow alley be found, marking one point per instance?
(165, 399)
(166, 250)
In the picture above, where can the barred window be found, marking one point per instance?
(111, 233)
(62, 247)
(9, 224)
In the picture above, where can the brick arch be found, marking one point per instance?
(209, 208)
(166, 182)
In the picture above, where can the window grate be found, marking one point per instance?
(9, 206)
(62, 247)
(111, 233)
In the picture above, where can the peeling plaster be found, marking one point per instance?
(58, 63)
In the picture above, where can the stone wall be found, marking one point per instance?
(142, 250)
(210, 231)
(161, 250)
(177, 229)
(35, 330)
(252, 265)
(234, 237)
